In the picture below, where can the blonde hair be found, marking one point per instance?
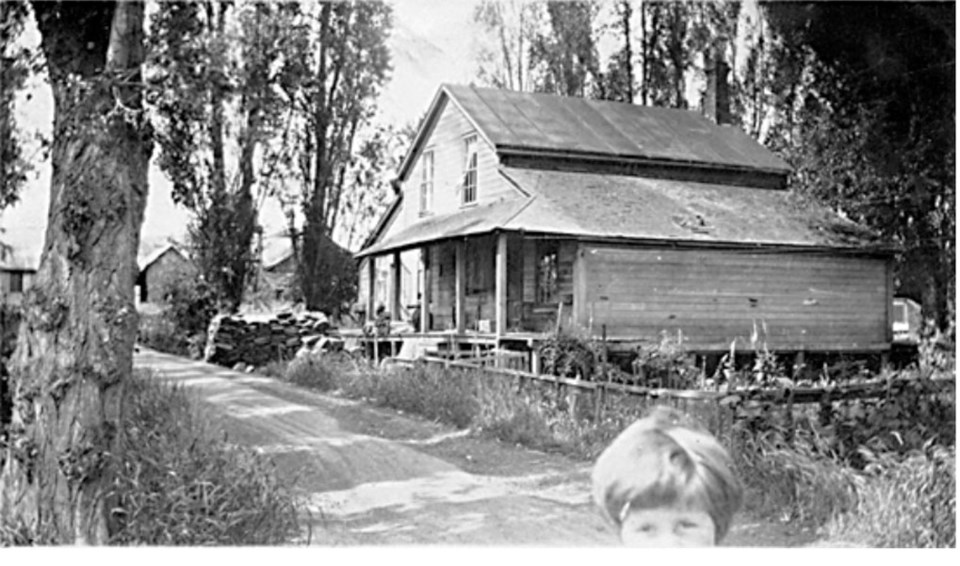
(666, 460)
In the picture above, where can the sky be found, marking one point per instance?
(430, 44)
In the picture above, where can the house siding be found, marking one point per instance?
(446, 141)
(807, 301)
(157, 272)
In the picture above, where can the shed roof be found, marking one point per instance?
(604, 206)
(528, 122)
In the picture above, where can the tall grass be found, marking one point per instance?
(795, 477)
(904, 503)
(178, 483)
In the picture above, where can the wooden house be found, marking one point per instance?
(154, 267)
(523, 212)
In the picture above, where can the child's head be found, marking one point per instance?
(666, 482)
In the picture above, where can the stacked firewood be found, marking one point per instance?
(255, 340)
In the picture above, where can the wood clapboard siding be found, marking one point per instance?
(715, 296)
(446, 141)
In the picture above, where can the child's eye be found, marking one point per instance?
(687, 525)
(647, 528)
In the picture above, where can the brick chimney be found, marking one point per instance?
(715, 103)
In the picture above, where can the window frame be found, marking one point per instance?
(471, 149)
(427, 180)
(543, 250)
(18, 277)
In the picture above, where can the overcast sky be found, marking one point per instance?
(431, 44)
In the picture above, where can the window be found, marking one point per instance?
(470, 171)
(426, 181)
(548, 284)
(16, 281)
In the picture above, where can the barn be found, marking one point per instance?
(522, 213)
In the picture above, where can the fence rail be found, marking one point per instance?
(875, 389)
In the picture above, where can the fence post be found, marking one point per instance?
(601, 389)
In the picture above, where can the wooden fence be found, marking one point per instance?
(716, 408)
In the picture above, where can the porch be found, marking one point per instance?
(471, 295)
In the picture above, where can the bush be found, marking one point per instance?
(568, 355)
(176, 484)
(160, 333)
(909, 502)
(189, 305)
(667, 364)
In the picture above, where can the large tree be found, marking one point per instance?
(508, 29)
(14, 69)
(564, 57)
(870, 128)
(338, 62)
(75, 346)
(217, 66)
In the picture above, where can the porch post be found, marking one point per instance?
(424, 290)
(371, 288)
(501, 284)
(395, 287)
(460, 276)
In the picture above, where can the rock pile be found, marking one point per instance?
(258, 339)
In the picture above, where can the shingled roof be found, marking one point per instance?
(520, 122)
(622, 207)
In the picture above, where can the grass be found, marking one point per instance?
(798, 481)
(179, 483)
(176, 482)
(908, 503)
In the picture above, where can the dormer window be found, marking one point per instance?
(426, 181)
(470, 171)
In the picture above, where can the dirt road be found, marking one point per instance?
(374, 476)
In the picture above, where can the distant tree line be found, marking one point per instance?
(858, 97)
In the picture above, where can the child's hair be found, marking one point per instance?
(666, 460)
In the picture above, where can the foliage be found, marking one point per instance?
(564, 59)
(868, 124)
(668, 364)
(510, 27)
(210, 60)
(13, 74)
(791, 480)
(568, 355)
(176, 483)
(160, 333)
(904, 502)
(189, 304)
(337, 62)
(188, 300)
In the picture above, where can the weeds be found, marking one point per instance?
(799, 465)
(177, 484)
(909, 502)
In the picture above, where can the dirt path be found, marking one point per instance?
(374, 476)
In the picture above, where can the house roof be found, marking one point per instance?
(145, 260)
(543, 123)
(605, 206)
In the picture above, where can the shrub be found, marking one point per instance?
(909, 502)
(666, 364)
(568, 355)
(160, 333)
(176, 484)
(189, 305)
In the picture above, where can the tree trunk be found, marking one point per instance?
(74, 350)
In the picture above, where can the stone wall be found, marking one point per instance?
(255, 340)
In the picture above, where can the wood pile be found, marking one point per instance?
(255, 340)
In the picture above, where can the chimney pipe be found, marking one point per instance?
(716, 97)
